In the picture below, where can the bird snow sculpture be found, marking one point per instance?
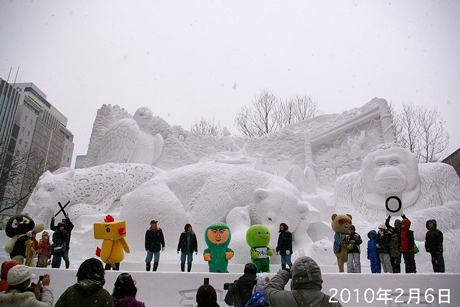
(129, 140)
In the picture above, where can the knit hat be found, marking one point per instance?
(19, 274)
(45, 234)
(382, 226)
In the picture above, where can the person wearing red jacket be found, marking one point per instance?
(408, 246)
(44, 253)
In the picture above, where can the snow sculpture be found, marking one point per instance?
(355, 143)
(90, 190)
(204, 193)
(129, 140)
(429, 191)
(390, 169)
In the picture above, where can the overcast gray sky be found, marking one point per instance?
(188, 59)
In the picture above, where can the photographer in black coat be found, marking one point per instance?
(240, 291)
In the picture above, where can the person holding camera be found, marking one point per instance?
(17, 295)
(206, 295)
(306, 285)
(240, 291)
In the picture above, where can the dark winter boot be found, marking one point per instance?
(155, 266)
(283, 267)
(182, 267)
(67, 264)
(147, 266)
(189, 267)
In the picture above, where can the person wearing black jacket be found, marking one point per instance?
(187, 245)
(154, 242)
(384, 247)
(241, 291)
(60, 239)
(395, 256)
(68, 227)
(353, 241)
(284, 246)
(433, 245)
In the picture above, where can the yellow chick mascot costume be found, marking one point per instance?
(113, 233)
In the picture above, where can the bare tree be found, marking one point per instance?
(18, 178)
(267, 113)
(421, 130)
(296, 109)
(207, 127)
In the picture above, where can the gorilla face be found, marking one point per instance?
(390, 170)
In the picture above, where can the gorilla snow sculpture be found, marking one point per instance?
(89, 190)
(204, 193)
(129, 140)
(429, 191)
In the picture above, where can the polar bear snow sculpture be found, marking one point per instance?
(90, 190)
(205, 193)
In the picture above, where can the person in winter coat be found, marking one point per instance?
(187, 246)
(433, 245)
(154, 242)
(44, 250)
(206, 296)
(19, 278)
(284, 246)
(395, 252)
(60, 238)
(68, 227)
(31, 248)
(306, 281)
(88, 291)
(408, 246)
(241, 290)
(353, 241)
(384, 248)
(124, 292)
(6, 266)
(372, 253)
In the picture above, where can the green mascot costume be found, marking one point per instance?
(258, 238)
(217, 237)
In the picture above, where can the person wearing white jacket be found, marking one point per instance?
(19, 278)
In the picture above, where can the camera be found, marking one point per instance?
(40, 277)
(228, 285)
(206, 281)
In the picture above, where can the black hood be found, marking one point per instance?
(250, 268)
(434, 222)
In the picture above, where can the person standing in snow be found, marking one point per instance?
(433, 245)
(408, 246)
(88, 291)
(372, 253)
(240, 291)
(60, 239)
(306, 285)
(384, 248)
(395, 255)
(187, 246)
(154, 242)
(284, 246)
(68, 227)
(353, 241)
(124, 292)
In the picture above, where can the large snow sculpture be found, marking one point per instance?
(429, 191)
(390, 169)
(129, 140)
(203, 193)
(90, 190)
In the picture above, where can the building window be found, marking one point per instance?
(40, 128)
(67, 160)
(39, 139)
(28, 133)
(46, 132)
(60, 143)
(20, 141)
(30, 122)
(17, 153)
(44, 143)
(58, 152)
(55, 139)
(22, 129)
(25, 144)
(25, 118)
